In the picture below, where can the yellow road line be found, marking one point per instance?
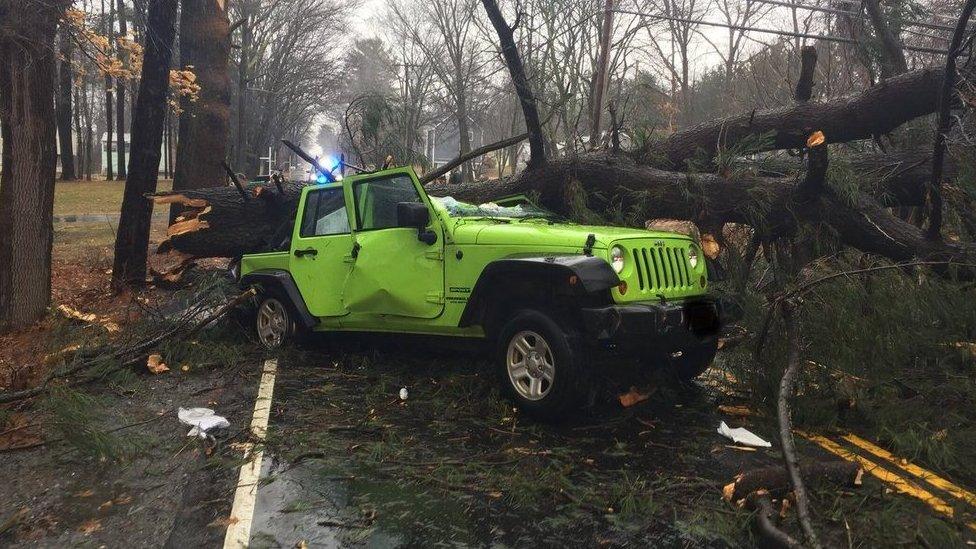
(242, 513)
(896, 482)
(927, 476)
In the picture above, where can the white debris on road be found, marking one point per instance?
(202, 420)
(741, 435)
(403, 393)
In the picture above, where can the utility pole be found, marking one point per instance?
(407, 110)
(602, 70)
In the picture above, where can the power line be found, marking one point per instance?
(847, 3)
(857, 15)
(824, 37)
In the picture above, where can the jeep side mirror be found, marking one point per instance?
(416, 215)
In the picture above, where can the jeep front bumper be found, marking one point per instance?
(647, 323)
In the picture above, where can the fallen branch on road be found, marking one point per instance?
(775, 479)
(132, 355)
(762, 504)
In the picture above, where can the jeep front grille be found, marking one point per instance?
(662, 268)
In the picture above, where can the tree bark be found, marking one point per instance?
(132, 239)
(63, 101)
(204, 124)
(808, 66)
(27, 89)
(120, 167)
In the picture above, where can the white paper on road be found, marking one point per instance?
(202, 420)
(741, 435)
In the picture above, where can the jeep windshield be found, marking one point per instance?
(525, 210)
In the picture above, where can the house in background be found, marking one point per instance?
(442, 140)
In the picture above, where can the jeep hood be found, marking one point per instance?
(538, 233)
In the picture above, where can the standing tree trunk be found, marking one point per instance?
(109, 170)
(893, 60)
(120, 98)
(27, 84)
(204, 124)
(602, 73)
(64, 109)
(132, 239)
(464, 135)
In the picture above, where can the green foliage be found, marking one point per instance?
(79, 419)
(886, 354)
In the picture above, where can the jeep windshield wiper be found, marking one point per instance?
(551, 218)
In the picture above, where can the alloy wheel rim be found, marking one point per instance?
(530, 365)
(272, 322)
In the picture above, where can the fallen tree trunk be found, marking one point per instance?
(872, 112)
(218, 222)
(775, 479)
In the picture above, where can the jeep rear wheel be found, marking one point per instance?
(274, 321)
(540, 365)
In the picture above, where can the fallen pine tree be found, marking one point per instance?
(655, 181)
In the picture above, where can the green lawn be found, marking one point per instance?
(92, 197)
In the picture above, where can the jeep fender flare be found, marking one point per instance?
(570, 275)
(282, 280)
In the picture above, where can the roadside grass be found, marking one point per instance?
(93, 197)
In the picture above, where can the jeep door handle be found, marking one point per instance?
(306, 251)
(355, 250)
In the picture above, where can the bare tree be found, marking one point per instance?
(446, 32)
(680, 19)
(285, 70)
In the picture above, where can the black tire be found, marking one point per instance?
(275, 320)
(563, 362)
(687, 362)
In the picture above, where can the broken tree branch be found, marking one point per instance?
(470, 155)
(786, 387)
(775, 479)
(762, 504)
(128, 356)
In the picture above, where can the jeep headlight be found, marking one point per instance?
(693, 256)
(617, 259)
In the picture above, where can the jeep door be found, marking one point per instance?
(394, 272)
(321, 244)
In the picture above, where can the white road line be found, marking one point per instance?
(242, 513)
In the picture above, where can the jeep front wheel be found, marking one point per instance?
(540, 366)
(274, 321)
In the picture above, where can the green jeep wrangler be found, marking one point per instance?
(375, 253)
